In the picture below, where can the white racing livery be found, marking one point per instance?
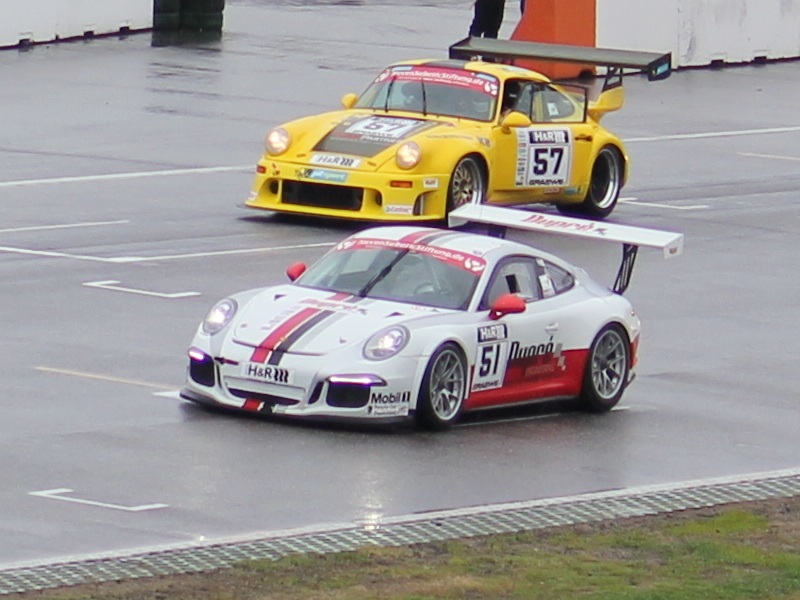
(399, 323)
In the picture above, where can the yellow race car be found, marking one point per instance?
(428, 136)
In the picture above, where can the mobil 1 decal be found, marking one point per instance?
(544, 157)
(492, 357)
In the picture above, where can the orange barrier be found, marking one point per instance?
(558, 22)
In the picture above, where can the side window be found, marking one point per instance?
(553, 279)
(553, 105)
(518, 95)
(516, 275)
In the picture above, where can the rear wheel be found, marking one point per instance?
(443, 390)
(606, 372)
(604, 187)
(467, 184)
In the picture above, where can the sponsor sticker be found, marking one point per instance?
(430, 183)
(398, 209)
(323, 175)
(468, 262)
(267, 373)
(335, 160)
(389, 403)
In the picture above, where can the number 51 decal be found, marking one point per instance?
(490, 366)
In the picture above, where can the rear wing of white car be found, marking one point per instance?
(654, 64)
(500, 218)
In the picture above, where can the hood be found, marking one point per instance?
(301, 320)
(368, 134)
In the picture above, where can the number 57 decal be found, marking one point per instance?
(547, 161)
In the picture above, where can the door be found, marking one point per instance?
(519, 357)
(551, 157)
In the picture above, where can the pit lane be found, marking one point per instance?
(137, 182)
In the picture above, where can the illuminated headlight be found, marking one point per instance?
(219, 316)
(278, 141)
(408, 155)
(386, 343)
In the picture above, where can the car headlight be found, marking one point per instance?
(219, 316)
(386, 343)
(408, 155)
(278, 141)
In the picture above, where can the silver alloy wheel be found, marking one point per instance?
(466, 184)
(447, 384)
(606, 180)
(609, 364)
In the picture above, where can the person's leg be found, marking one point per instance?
(494, 18)
(480, 19)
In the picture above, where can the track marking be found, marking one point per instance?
(98, 377)
(51, 254)
(111, 284)
(174, 395)
(230, 252)
(57, 495)
(113, 176)
(63, 226)
(712, 134)
(774, 156)
(135, 259)
(657, 205)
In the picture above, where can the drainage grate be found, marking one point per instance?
(402, 531)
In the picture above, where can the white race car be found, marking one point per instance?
(398, 323)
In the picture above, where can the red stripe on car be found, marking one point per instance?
(278, 335)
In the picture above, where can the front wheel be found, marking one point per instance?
(467, 184)
(443, 389)
(604, 187)
(606, 372)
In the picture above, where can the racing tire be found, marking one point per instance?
(443, 390)
(604, 187)
(467, 184)
(606, 374)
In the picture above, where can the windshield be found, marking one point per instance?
(433, 90)
(394, 273)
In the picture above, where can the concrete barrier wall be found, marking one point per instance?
(48, 20)
(697, 32)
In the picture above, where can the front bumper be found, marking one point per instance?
(310, 392)
(350, 194)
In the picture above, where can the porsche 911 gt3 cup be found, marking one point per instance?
(398, 323)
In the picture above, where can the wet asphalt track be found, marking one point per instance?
(124, 161)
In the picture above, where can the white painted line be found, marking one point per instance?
(63, 226)
(135, 259)
(712, 134)
(773, 156)
(111, 284)
(56, 495)
(657, 205)
(52, 254)
(232, 252)
(174, 395)
(113, 176)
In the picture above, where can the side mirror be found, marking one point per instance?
(507, 304)
(349, 100)
(294, 270)
(514, 119)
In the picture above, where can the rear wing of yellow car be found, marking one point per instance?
(499, 219)
(655, 65)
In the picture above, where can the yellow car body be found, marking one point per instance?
(430, 135)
